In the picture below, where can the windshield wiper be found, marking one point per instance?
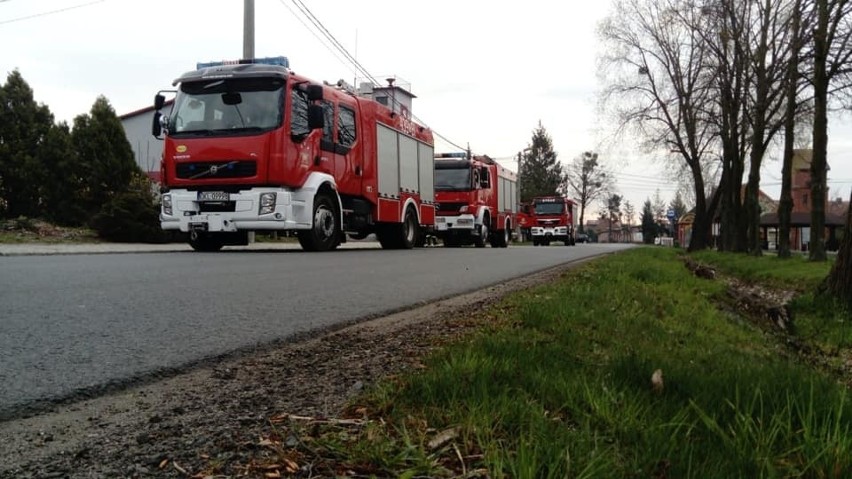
(205, 132)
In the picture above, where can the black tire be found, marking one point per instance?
(484, 234)
(501, 239)
(325, 233)
(205, 243)
(400, 236)
(409, 229)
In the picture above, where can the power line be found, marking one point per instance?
(43, 14)
(312, 32)
(336, 44)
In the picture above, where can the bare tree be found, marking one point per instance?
(587, 180)
(792, 108)
(832, 53)
(768, 53)
(629, 213)
(657, 83)
(723, 32)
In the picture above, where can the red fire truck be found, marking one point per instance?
(251, 146)
(476, 199)
(552, 220)
(525, 219)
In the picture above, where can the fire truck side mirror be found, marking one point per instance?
(314, 92)
(156, 126)
(316, 117)
(159, 101)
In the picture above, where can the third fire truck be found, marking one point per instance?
(552, 219)
(476, 200)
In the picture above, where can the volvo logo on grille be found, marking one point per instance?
(214, 169)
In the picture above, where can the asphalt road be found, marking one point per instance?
(77, 325)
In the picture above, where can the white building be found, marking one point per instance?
(147, 150)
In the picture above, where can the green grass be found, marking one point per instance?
(820, 320)
(795, 272)
(560, 386)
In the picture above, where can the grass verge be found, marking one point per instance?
(560, 385)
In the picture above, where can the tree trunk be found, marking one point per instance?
(820, 135)
(785, 204)
(838, 283)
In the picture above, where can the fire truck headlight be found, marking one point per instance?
(267, 203)
(463, 209)
(167, 205)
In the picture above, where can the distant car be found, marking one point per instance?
(582, 238)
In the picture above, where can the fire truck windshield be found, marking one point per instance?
(226, 107)
(549, 208)
(455, 179)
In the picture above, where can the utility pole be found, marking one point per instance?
(248, 29)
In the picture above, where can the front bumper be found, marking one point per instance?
(559, 232)
(466, 223)
(291, 211)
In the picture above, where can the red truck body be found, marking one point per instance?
(552, 219)
(251, 146)
(477, 200)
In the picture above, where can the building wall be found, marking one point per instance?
(801, 187)
(147, 150)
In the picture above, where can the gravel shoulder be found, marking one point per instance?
(206, 422)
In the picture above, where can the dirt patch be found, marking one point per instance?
(26, 230)
(208, 422)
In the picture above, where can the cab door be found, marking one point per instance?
(348, 161)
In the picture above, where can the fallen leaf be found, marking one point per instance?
(657, 381)
(443, 437)
(180, 469)
(164, 463)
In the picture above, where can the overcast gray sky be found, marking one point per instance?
(485, 73)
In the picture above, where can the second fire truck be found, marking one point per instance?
(476, 200)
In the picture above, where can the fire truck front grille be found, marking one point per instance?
(223, 207)
(450, 207)
(217, 169)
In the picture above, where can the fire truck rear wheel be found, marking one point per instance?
(410, 229)
(325, 233)
(501, 238)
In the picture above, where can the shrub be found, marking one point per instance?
(131, 216)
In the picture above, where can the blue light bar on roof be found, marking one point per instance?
(459, 154)
(279, 61)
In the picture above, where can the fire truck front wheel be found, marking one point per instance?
(325, 233)
(484, 234)
(205, 242)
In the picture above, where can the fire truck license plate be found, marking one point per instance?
(213, 196)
